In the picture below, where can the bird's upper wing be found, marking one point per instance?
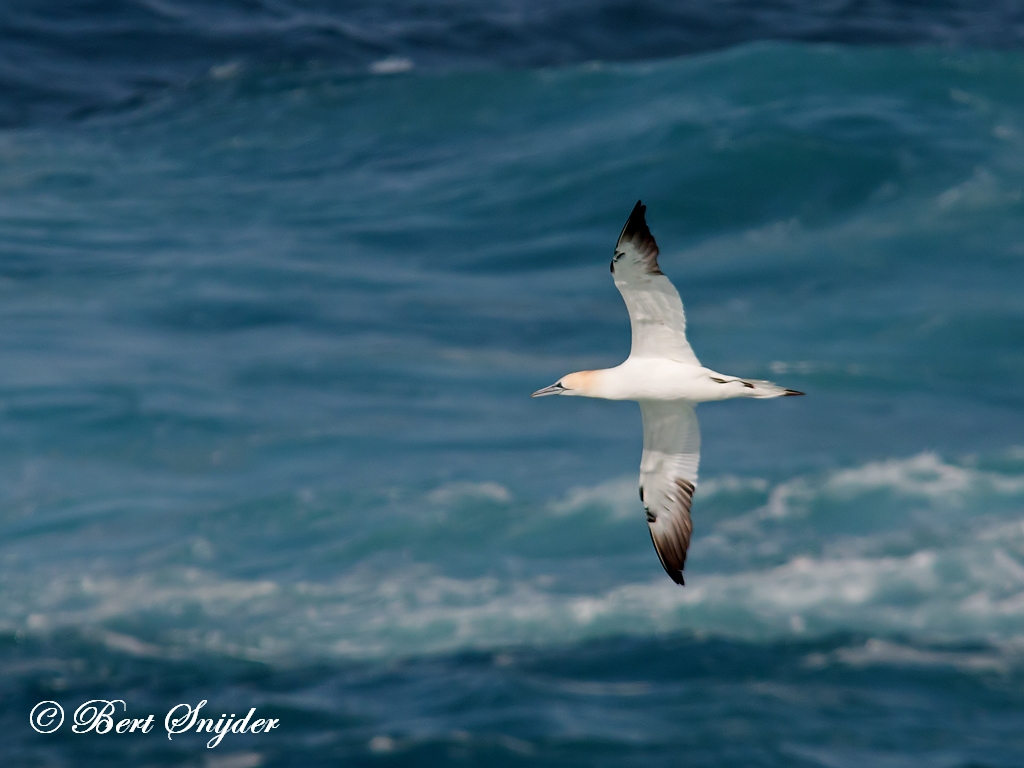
(655, 309)
(668, 475)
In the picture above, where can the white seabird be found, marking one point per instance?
(666, 378)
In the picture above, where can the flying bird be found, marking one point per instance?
(664, 375)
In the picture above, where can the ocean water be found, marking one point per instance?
(272, 303)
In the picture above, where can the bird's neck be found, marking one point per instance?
(600, 383)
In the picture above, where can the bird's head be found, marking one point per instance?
(571, 384)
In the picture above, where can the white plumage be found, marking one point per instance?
(664, 375)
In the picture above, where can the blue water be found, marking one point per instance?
(271, 309)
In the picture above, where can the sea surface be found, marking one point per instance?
(277, 279)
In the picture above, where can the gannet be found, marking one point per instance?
(664, 375)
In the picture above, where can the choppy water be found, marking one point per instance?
(267, 331)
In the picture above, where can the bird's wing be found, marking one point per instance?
(668, 475)
(655, 309)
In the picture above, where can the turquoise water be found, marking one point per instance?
(266, 346)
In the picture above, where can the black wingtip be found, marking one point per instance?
(639, 235)
(674, 570)
(636, 224)
(793, 393)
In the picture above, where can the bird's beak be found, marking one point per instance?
(554, 389)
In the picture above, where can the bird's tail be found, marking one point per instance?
(767, 389)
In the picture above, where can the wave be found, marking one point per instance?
(67, 59)
(1002, 658)
(948, 567)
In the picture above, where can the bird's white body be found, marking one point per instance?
(652, 378)
(663, 374)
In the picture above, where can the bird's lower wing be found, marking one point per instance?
(668, 476)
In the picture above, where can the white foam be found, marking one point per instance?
(225, 71)
(731, 484)
(452, 493)
(923, 475)
(392, 65)
(963, 582)
(234, 760)
(982, 190)
(618, 497)
(880, 652)
(420, 610)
